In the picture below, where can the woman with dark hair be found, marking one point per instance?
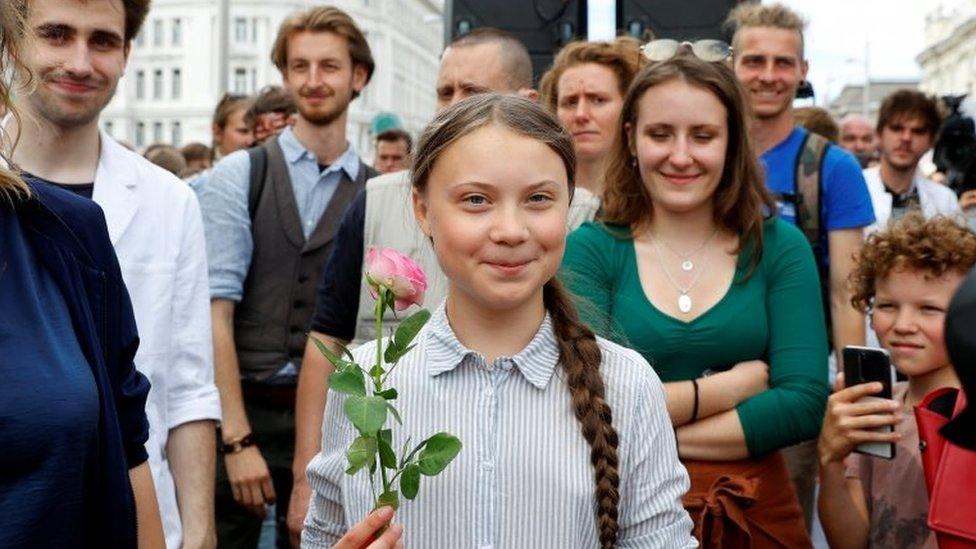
(73, 470)
(689, 269)
(566, 437)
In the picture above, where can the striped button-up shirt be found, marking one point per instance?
(523, 477)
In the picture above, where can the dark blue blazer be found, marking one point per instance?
(69, 237)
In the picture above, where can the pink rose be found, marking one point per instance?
(397, 273)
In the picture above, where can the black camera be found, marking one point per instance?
(955, 150)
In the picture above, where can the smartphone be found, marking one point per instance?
(866, 365)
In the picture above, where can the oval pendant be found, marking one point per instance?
(687, 265)
(684, 303)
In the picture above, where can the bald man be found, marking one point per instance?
(857, 135)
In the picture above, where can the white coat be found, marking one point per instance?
(935, 199)
(155, 225)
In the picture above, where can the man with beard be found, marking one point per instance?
(76, 56)
(768, 61)
(271, 215)
(857, 137)
(907, 124)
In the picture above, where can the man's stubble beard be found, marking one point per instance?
(318, 117)
(908, 167)
(48, 109)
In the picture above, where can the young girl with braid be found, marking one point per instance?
(567, 441)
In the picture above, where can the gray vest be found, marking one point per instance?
(271, 320)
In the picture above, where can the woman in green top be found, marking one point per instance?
(689, 268)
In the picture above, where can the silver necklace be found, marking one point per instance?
(684, 300)
(687, 264)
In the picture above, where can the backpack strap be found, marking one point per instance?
(258, 177)
(809, 186)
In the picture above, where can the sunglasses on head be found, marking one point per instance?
(706, 50)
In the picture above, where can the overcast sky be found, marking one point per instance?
(836, 36)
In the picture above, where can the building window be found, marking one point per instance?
(240, 30)
(254, 81)
(140, 135)
(176, 134)
(240, 80)
(157, 132)
(110, 128)
(141, 38)
(158, 32)
(158, 84)
(140, 84)
(177, 32)
(254, 30)
(177, 84)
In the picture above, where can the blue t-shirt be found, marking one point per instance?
(844, 200)
(49, 404)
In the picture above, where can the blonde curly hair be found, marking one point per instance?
(935, 246)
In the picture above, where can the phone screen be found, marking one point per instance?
(866, 365)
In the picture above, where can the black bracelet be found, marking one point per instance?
(237, 445)
(694, 407)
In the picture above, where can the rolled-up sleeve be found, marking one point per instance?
(191, 394)
(227, 225)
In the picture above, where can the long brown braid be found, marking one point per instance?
(578, 350)
(580, 357)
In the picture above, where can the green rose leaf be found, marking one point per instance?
(439, 451)
(348, 381)
(336, 361)
(389, 394)
(376, 370)
(403, 452)
(361, 452)
(393, 357)
(368, 414)
(409, 328)
(392, 351)
(387, 456)
(395, 413)
(409, 457)
(388, 498)
(410, 481)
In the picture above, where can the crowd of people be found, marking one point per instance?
(643, 276)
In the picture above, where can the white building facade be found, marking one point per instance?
(949, 59)
(172, 83)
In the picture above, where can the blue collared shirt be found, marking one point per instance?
(227, 222)
(524, 476)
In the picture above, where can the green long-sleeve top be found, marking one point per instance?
(773, 313)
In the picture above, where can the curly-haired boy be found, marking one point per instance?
(904, 279)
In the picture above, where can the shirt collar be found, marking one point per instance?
(537, 361)
(294, 151)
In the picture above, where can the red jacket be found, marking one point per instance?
(950, 471)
